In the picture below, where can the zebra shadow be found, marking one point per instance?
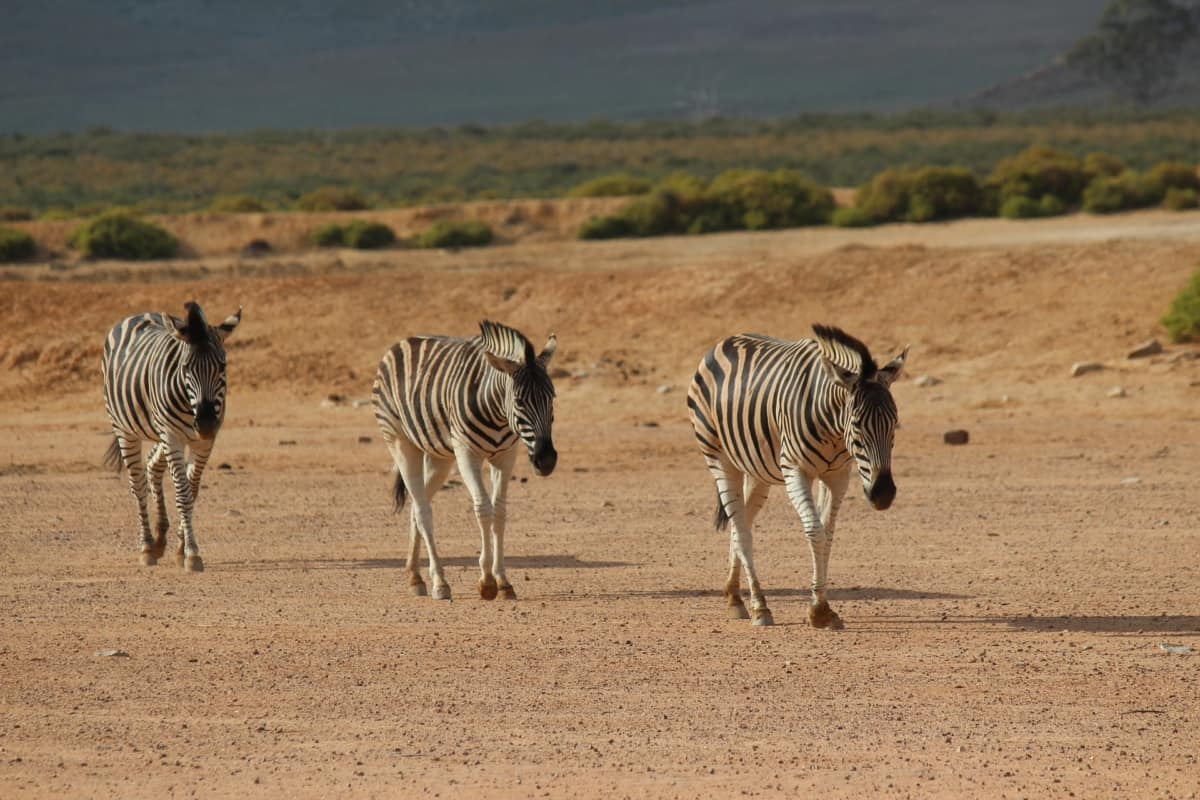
(517, 562)
(835, 595)
(1143, 625)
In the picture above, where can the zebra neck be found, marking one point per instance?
(489, 398)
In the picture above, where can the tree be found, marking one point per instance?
(1135, 49)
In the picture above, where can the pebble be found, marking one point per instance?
(1084, 367)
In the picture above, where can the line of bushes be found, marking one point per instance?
(359, 234)
(364, 235)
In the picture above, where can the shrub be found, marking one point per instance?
(332, 198)
(118, 234)
(1020, 207)
(920, 195)
(363, 235)
(1174, 175)
(617, 185)
(446, 233)
(331, 235)
(852, 217)
(1181, 199)
(15, 245)
(1097, 164)
(237, 204)
(1050, 206)
(757, 200)
(9, 214)
(1036, 172)
(614, 227)
(1107, 195)
(657, 214)
(58, 214)
(1182, 319)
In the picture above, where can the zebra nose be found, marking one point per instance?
(207, 421)
(883, 491)
(544, 457)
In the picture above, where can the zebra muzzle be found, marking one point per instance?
(544, 458)
(882, 492)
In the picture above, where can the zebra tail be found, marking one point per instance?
(112, 456)
(720, 519)
(398, 493)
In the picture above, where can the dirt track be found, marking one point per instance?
(1004, 618)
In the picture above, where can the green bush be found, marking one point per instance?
(237, 204)
(10, 214)
(363, 235)
(614, 227)
(1181, 199)
(757, 200)
(119, 234)
(1105, 195)
(332, 198)
(15, 245)
(1182, 319)
(1097, 164)
(618, 185)
(1050, 206)
(851, 217)
(58, 214)
(330, 235)
(657, 214)
(1020, 207)
(1174, 175)
(447, 233)
(920, 195)
(1036, 172)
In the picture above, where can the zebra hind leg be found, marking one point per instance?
(128, 452)
(732, 510)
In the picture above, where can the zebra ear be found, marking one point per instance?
(888, 373)
(845, 378)
(503, 364)
(193, 330)
(547, 353)
(231, 322)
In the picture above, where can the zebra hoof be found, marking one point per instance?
(441, 591)
(737, 610)
(820, 615)
(193, 564)
(417, 588)
(149, 559)
(762, 616)
(487, 588)
(508, 593)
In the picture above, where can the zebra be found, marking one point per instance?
(440, 401)
(766, 412)
(164, 382)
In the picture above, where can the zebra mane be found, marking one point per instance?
(847, 352)
(505, 342)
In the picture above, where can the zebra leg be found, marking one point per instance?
(754, 493)
(436, 471)
(410, 461)
(201, 450)
(502, 468)
(830, 490)
(131, 457)
(730, 487)
(470, 468)
(188, 555)
(799, 489)
(156, 465)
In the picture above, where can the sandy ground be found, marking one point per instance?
(1005, 619)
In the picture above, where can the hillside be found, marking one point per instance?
(223, 65)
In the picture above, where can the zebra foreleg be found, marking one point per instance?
(188, 554)
(470, 468)
(131, 457)
(502, 469)
(156, 465)
(799, 489)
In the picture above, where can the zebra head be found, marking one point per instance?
(870, 418)
(202, 363)
(528, 390)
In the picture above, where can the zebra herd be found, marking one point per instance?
(765, 412)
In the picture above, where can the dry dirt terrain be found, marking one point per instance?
(1005, 619)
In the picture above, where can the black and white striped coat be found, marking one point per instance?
(799, 413)
(441, 401)
(164, 382)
